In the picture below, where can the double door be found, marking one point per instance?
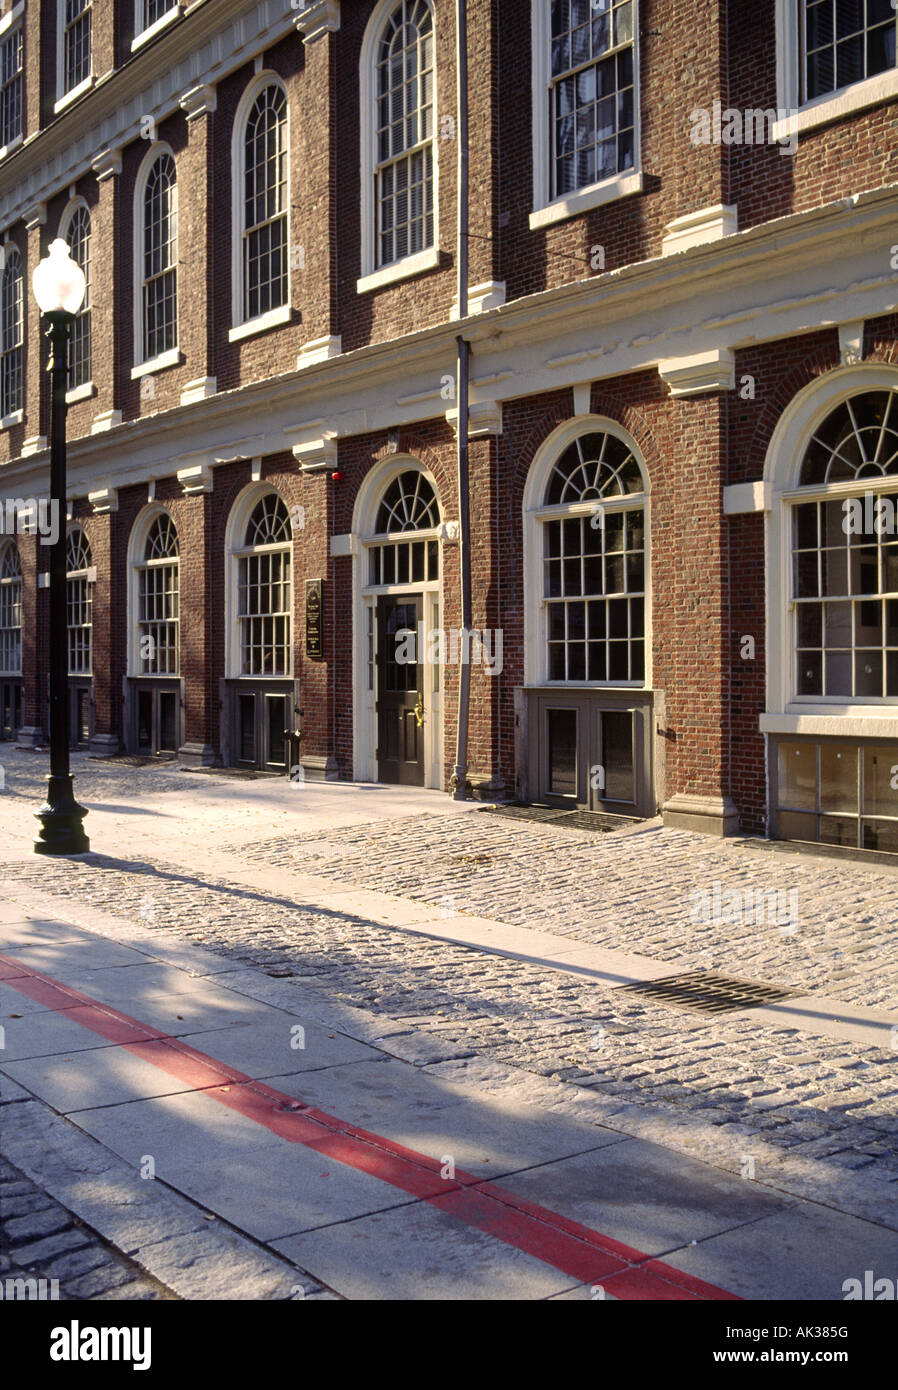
(262, 718)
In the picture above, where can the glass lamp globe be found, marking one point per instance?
(58, 281)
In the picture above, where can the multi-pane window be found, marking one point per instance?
(594, 563)
(79, 604)
(75, 42)
(10, 612)
(264, 591)
(158, 594)
(265, 204)
(409, 504)
(159, 300)
(591, 92)
(149, 11)
(78, 239)
(11, 331)
(11, 88)
(845, 555)
(844, 41)
(404, 131)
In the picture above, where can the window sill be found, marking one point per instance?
(146, 35)
(399, 270)
(74, 94)
(13, 145)
(584, 199)
(273, 319)
(172, 358)
(840, 721)
(12, 18)
(16, 418)
(835, 106)
(80, 393)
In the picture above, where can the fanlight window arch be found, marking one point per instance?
(10, 611)
(845, 555)
(594, 563)
(79, 603)
(158, 599)
(264, 590)
(404, 173)
(158, 249)
(409, 504)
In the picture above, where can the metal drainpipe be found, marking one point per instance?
(459, 775)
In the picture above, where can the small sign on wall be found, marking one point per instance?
(315, 618)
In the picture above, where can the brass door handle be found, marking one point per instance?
(419, 710)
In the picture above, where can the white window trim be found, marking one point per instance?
(235, 530)
(804, 414)
(371, 271)
(80, 393)
(7, 24)
(832, 106)
(545, 210)
(272, 319)
(64, 98)
(142, 36)
(536, 650)
(8, 20)
(7, 421)
(89, 573)
(399, 270)
(136, 547)
(172, 356)
(13, 145)
(238, 156)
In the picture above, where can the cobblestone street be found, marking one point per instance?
(815, 1115)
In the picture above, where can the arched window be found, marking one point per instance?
(157, 257)
(403, 171)
(11, 333)
(845, 554)
(79, 604)
(593, 579)
(158, 600)
(264, 591)
(77, 236)
(10, 611)
(263, 194)
(408, 504)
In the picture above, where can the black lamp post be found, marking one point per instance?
(59, 290)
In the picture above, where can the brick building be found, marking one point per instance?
(684, 365)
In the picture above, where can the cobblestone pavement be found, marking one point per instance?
(808, 1097)
(41, 1241)
(636, 893)
(816, 1098)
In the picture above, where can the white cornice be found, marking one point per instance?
(315, 20)
(768, 283)
(713, 370)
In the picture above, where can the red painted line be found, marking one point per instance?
(578, 1251)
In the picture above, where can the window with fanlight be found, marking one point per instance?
(264, 590)
(158, 600)
(593, 564)
(845, 555)
(79, 604)
(409, 504)
(10, 611)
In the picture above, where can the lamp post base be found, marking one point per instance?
(61, 819)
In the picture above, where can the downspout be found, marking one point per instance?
(459, 774)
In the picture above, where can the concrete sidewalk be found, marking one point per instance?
(386, 1180)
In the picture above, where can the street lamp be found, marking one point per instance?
(59, 286)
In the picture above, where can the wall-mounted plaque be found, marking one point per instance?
(315, 618)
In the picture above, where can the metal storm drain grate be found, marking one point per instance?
(703, 992)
